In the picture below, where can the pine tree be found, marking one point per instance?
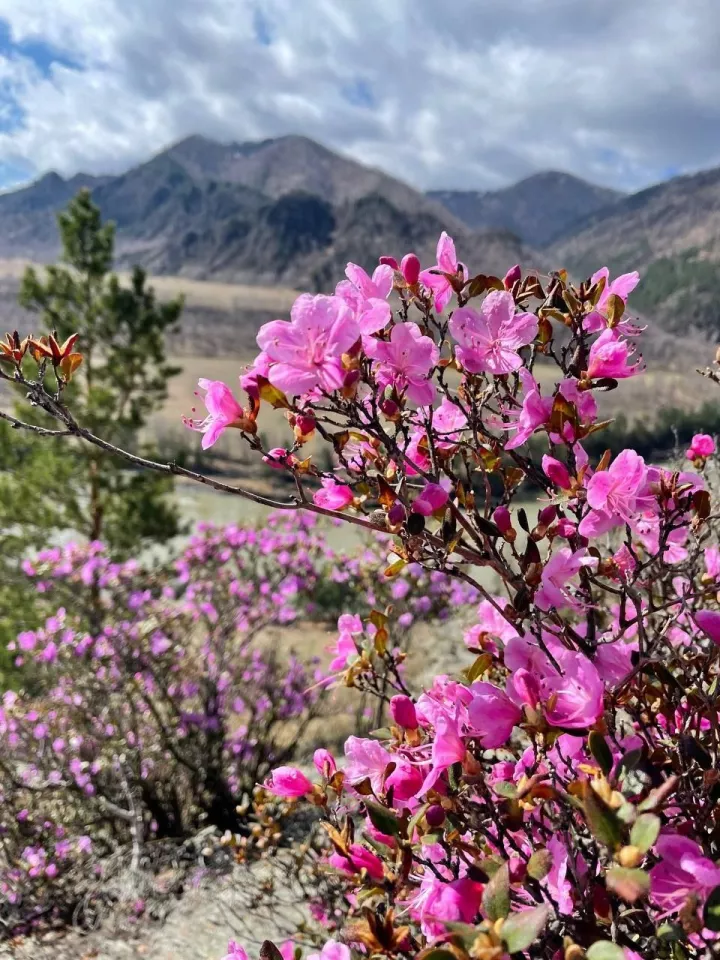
(58, 489)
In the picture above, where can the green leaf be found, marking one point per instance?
(505, 789)
(382, 733)
(604, 950)
(645, 831)
(522, 929)
(601, 752)
(601, 820)
(496, 896)
(711, 911)
(382, 819)
(540, 864)
(629, 884)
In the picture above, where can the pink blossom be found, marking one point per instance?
(489, 338)
(288, 782)
(431, 498)
(557, 472)
(405, 361)
(249, 380)
(349, 626)
(403, 712)
(621, 286)
(405, 781)
(279, 458)
(334, 495)
(447, 423)
(448, 748)
(410, 269)
(359, 858)
(562, 567)
(712, 562)
(502, 518)
(367, 296)
(492, 715)
(573, 699)
(609, 357)
(701, 445)
(447, 263)
(324, 762)
(709, 622)
(491, 624)
(367, 760)
(534, 413)
(438, 903)
(306, 352)
(683, 870)
(235, 952)
(617, 495)
(333, 950)
(223, 411)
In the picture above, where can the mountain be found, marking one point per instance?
(285, 211)
(537, 209)
(671, 234)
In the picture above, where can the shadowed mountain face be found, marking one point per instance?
(284, 211)
(537, 209)
(671, 234)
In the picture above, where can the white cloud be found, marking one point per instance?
(472, 94)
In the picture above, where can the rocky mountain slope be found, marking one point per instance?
(671, 234)
(285, 211)
(536, 209)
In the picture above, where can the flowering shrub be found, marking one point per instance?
(156, 704)
(558, 799)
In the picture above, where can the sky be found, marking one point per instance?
(468, 94)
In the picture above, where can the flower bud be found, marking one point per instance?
(389, 262)
(502, 519)
(512, 277)
(410, 269)
(324, 763)
(403, 712)
(396, 514)
(518, 870)
(435, 816)
(288, 782)
(389, 407)
(557, 472)
(547, 515)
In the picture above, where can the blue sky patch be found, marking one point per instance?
(262, 28)
(359, 93)
(42, 54)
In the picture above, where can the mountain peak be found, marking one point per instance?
(538, 208)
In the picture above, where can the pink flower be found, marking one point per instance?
(709, 622)
(368, 760)
(410, 269)
(683, 870)
(492, 715)
(235, 952)
(306, 352)
(609, 357)
(621, 286)
(441, 902)
(562, 566)
(712, 562)
(447, 423)
(249, 380)
(324, 762)
(573, 699)
(702, 445)
(433, 497)
(349, 626)
(557, 472)
(279, 458)
(534, 413)
(403, 712)
(288, 782)
(333, 950)
(367, 296)
(490, 338)
(334, 495)
(405, 361)
(448, 748)
(405, 781)
(447, 262)
(358, 858)
(223, 411)
(491, 624)
(617, 495)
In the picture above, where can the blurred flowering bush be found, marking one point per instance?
(557, 798)
(157, 703)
